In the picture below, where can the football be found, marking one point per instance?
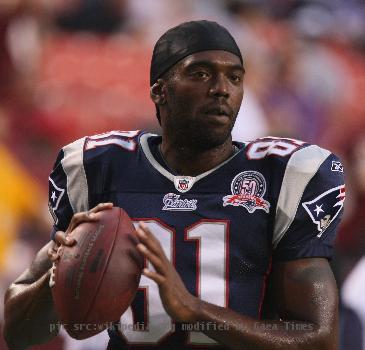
(95, 280)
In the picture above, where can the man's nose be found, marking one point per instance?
(219, 86)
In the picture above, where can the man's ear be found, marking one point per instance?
(157, 92)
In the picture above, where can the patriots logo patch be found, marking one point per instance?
(55, 196)
(326, 207)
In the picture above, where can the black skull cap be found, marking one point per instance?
(188, 38)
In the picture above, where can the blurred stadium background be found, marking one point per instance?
(69, 68)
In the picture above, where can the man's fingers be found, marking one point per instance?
(155, 260)
(61, 238)
(78, 218)
(150, 241)
(101, 206)
(88, 216)
(52, 254)
(64, 239)
(154, 276)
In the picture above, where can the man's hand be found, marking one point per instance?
(29, 311)
(309, 301)
(177, 301)
(63, 239)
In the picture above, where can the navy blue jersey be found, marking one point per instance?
(273, 200)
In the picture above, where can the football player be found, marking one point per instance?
(215, 218)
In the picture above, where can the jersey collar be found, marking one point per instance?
(182, 183)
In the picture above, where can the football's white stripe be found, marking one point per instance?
(301, 168)
(73, 165)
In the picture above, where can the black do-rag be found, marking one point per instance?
(186, 39)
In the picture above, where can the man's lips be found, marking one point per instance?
(219, 110)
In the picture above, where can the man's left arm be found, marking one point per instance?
(305, 294)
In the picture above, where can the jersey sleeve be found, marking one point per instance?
(68, 190)
(310, 206)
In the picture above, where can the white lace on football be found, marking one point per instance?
(52, 277)
(52, 281)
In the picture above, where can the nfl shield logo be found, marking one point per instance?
(183, 183)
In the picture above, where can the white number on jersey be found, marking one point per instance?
(123, 139)
(212, 279)
(276, 146)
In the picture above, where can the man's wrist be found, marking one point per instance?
(194, 310)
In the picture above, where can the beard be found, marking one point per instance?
(195, 134)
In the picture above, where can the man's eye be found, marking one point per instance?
(200, 74)
(235, 78)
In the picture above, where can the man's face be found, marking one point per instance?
(203, 96)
